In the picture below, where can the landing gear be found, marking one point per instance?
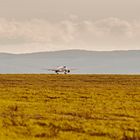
(65, 72)
(56, 72)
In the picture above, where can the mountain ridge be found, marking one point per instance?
(100, 62)
(76, 50)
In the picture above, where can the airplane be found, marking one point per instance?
(59, 69)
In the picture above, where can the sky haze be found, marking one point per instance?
(48, 25)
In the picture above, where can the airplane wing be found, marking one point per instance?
(72, 69)
(50, 69)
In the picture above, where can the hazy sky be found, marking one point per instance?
(46, 25)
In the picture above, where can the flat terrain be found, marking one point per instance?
(69, 107)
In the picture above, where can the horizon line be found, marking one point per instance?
(69, 50)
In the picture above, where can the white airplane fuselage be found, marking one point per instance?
(62, 69)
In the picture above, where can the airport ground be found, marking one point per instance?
(69, 107)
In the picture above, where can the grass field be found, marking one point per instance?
(69, 107)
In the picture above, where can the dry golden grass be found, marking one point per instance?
(69, 107)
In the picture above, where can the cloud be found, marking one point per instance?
(73, 33)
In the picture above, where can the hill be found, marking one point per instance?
(116, 62)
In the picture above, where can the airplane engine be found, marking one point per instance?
(68, 71)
